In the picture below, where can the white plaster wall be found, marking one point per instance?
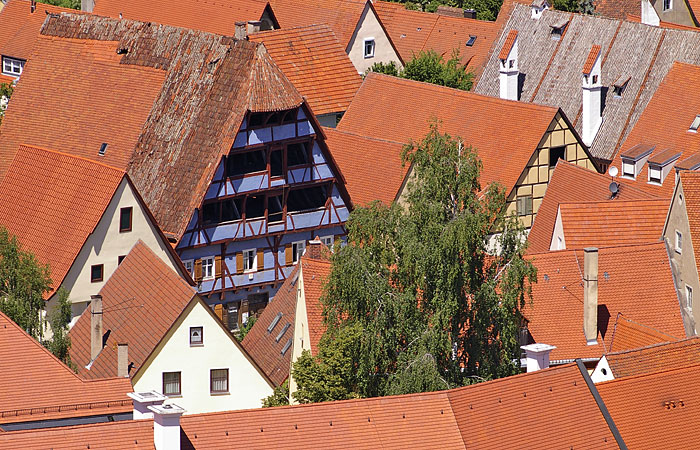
(557, 234)
(602, 371)
(247, 387)
(302, 340)
(106, 244)
(369, 27)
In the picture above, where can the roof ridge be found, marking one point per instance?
(631, 186)
(560, 367)
(81, 158)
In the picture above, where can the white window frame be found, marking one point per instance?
(670, 5)
(679, 242)
(189, 266)
(328, 241)
(364, 47)
(208, 268)
(12, 66)
(632, 175)
(246, 259)
(689, 297)
(201, 336)
(298, 248)
(658, 180)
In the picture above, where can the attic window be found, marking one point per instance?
(286, 346)
(620, 84)
(471, 41)
(694, 126)
(274, 322)
(284, 330)
(196, 335)
(558, 29)
(103, 149)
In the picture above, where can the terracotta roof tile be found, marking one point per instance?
(590, 60)
(609, 223)
(570, 183)
(508, 44)
(625, 275)
(140, 301)
(656, 410)
(35, 383)
(6, 79)
(314, 61)
(54, 228)
(638, 151)
(618, 9)
(664, 156)
(385, 107)
(690, 163)
(629, 334)
(655, 357)
(361, 158)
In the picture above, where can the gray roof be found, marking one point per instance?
(552, 68)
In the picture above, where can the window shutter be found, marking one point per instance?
(239, 262)
(288, 256)
(217, 266)
(198, 270)
(219, 311)
(261, 259)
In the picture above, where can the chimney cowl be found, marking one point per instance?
(509, 73)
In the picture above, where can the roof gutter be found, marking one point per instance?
(601, 405)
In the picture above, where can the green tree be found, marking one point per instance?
(426, 304)
(59, 319)
(430, 67)
(72, 4)
(5, 94)
(485, 9)
(246, 327)
(279, 396)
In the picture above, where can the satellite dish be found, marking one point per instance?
(614, 188)
(612, 171)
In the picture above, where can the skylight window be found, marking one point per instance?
(274, 322)
(284, 330)
(471, 41)
(103, 149)
(696, 123)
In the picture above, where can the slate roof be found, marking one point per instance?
(35, 383)
(629, 334)
(140, 302)
(609, 223)
(626, 274)
(385, 107)
(552, 68)
(53, 183)
(556, 401)
(570, 183)
(361, 159)
(655, 410)
(665, 124)
(655, 357)
(315, 62)
(19, 27)
(414, 31)
(188, 94)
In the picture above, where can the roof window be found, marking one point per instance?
(558, 29)
(694, 126)
(103, 149)
(284, 330)
(286, 346)
(471, 41)
(274, 322)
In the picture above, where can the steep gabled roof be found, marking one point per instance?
(570, 183)
(400, 110)
(140, 301)
(361, 159)
(665, 125)
(19, 26)
(655, 357)
(629, 334)
(625, 275)
(37, 386)
(52, 202)
(655, 410)
(608, 223)
(416, 31)
(215, 16)
(314, 61)
(552, 68)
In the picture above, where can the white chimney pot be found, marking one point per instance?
(537, 356)
(144, 400)
(166, 426)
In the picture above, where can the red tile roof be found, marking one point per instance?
(629, 334)
(665, 124)
(590, 60)
(608, 223)
(387, 107)
(655, 357)
(690, 182)
(570, 183)
(618, 9)
(656, 410)
(416, 31)
(140, 301)
(54, 228)
(508, 44)
(35, 384)
(315, 272)
(625, 275)
(314, 61)
(19, 27)
(6, 79)
(361, 158)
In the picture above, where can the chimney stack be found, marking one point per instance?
(470, 13)
(122, 360)
(32, 6)
(508, 68)
(166, 426)
(314, 248)
(592, 96)
(95, 326)
(143, 400)
(590, 295)
(649, 15)
(253, 27)
(241, 31)
(537, 356)
(537, 7)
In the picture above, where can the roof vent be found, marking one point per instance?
(558, 29)
(471, 40)
(103, 149)
(274, 322)
(694, 126)
(122, 51)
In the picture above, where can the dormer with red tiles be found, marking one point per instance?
(509, 72)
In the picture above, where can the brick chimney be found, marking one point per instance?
(122, 360)
(592, 91)
(241, 31)
(590, 295)
(537, 356)
(508, 67)
(166, 426)
(95, 326)
(143, 400)
(314, 248)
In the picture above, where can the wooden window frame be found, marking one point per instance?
(179, 384)
(94, 279)
(526, 211)
(211, 381)
(201, 334)
(122, 227)
(254, 264)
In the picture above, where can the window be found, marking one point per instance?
(668, 4)
(654, 174)
(231, 209)
(97, 273)
(232, 316)
(218, 381)
(328, 241)
(369, 47)
(255, 207)
(628, 169)
(120, 258)
(250, 260)
(555, 154)
(208, 268)
(274, 208)
(679, 242)
(12, 66)
(276, 167)
(524, 205)
(595, 79)
(189, 266)
(471, 41)
(298, 250)
(274, 322)
(246, 162)
(696, 123)
(306, 199)
(511, 63)
(298, 153)
(689, 297)
(125, 219)
(286, 346)
(196, 335)
(281, 333)
(171, 383)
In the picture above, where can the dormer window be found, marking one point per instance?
(558, 29)
(661, 164)
(471, 41)
(694, 126)
(12, 66)
(619, 85)
(655, 174)
(633, 159)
